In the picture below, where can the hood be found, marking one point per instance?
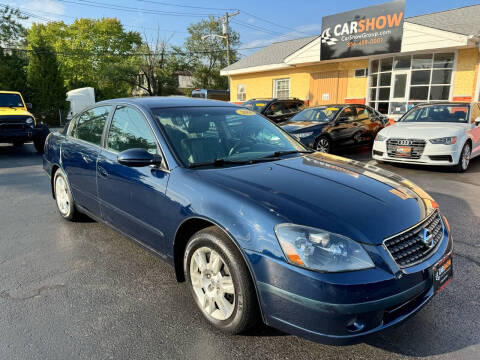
(344, 196)
(424, 130)
(296, 126)
(7, 111)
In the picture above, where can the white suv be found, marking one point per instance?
(446, 134)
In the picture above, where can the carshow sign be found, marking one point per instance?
(368, 31)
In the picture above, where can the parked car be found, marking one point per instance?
(445, 134)
(259, 226)
(277, 110)
(17, 124)
(211, 94)
(331, 127)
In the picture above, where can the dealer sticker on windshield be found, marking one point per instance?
(245, 112)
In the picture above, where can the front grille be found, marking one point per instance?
(417, 146)
(409, 247)
(10, 126)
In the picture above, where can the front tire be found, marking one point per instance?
(464, 159)
(63, 197)
(323, 144)
(220, 282)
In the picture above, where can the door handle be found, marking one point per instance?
(102, 171)
(86, 159)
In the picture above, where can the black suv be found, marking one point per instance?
(277, 110)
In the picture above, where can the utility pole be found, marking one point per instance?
(225, 21)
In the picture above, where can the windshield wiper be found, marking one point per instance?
(221, 162)
(288, 152)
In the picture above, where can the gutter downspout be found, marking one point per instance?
(477, 84)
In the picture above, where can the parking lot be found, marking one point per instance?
(81, 290)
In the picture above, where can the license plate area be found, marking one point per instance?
(403, 151)
(442, 273)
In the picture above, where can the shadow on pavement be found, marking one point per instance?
(11, 156)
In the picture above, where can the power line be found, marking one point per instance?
(272, 23)
(129, 9)
(184, 6)
(75, 17)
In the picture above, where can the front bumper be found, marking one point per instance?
(18, 135)
(342, 308)
(442, 155)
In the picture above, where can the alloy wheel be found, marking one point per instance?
(61, 195)
(212, 283)
(466, 157)
(323, 145)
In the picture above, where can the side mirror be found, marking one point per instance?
(269, 113)
(29, 106)
(138, 158)
(477, 121)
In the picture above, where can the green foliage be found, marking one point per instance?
(12, 62)
(45, 82)
(207, 56)
(12, 32)
(89, 52)
(12, 70)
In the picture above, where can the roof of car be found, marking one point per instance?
(168, 101)
(446, 103)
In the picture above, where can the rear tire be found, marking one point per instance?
(464, 159)
(220, 282)
(63, 196)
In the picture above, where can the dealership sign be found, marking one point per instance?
(367, 31)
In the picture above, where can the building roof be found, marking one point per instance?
(461, 20)
(272, 54)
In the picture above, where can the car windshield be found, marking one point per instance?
(203, 135)
(438, 113)
(256, 105)
(10, 100)
(320, 114)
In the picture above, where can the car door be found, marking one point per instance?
(132, 198)
(343, 127)
(79, 154)
(366, 121)
(474, 132)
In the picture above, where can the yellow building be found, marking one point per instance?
(438, 61)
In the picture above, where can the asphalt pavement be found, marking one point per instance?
(82, 291)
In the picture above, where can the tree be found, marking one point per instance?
(153, 70)
(44, 79)
(89, 50)
(208, 55)
(12, 32)
(12, 62)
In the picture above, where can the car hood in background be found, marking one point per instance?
(423, 130)
(298, 126)
(325, 191)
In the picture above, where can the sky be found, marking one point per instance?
(259, 23)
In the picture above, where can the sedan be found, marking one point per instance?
(445, 134)
(332, 127)
(260, 227)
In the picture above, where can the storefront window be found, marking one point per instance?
(398, 83)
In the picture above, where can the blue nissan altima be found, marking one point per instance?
(260, 227)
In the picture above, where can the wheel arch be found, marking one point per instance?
(185, 231)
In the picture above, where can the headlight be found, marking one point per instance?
(380, 137)
(445, 140)
(29, 120)
(321, 250)
(304, 135)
